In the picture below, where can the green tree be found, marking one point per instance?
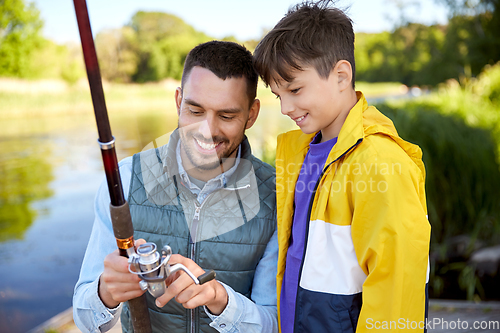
(152, 47)
(412, 54)
(415, 54)
(470, 7)
(473, 39)
(117, 53)
(163, 42)
(20, 37)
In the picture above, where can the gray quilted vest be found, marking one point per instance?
(228, 233)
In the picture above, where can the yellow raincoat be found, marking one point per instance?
(365, 264)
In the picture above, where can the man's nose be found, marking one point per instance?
(208, 128)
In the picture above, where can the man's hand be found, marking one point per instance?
(116, 283)
(211, 294)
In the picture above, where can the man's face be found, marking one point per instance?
(213, 115)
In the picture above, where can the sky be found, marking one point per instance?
(244, 19)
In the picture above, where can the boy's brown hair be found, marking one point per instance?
(310, 34)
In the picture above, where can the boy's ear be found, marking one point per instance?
(343, 70)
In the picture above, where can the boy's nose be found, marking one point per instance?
(286, 107)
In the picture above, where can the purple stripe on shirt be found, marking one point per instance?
(309, 173)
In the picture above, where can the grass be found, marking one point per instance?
(23, 98)
(45, 98)
(148, 109)
(381, 89)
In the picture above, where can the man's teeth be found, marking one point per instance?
(300, 119)
(206, 146)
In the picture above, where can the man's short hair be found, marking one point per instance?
(310, 34)
(225, 60)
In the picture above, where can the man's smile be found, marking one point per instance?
(210, 147)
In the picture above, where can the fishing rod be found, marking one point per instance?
(120, 212)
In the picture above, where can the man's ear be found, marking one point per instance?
(343, 69)
(178, 99)
(254, 113)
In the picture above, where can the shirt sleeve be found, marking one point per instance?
(391, 236)
(89, 313)
(258, 314)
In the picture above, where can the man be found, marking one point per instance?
(205, 196)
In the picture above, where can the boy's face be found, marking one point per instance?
(314, 103)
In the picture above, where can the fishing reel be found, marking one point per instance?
(154, 269)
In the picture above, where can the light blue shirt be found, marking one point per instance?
(240, 315)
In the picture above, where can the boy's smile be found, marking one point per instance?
(315, 103)
(299, 120)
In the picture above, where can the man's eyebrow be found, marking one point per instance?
(231, 110)
(198, 105)
(193, 103)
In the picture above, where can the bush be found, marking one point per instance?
(458, 129)
(475, 100)
(463, 175)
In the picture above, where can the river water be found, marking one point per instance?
(50, 169)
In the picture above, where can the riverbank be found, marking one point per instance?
(445, 316)
(45, 98)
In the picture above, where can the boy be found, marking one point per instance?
(352, 227)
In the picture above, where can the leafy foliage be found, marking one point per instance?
(415, 54)
(20, 26)
(463, 174)
(117, 58)
(152, 47)
(409, 55)
(458, 129)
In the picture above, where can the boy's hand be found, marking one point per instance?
(116, 283)
(211, 294)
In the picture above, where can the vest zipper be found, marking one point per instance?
(192, 243)
(192, 238)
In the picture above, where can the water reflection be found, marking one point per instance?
(134, 131)
(50, 169)
(25, 175)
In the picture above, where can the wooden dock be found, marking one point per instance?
(444, 317)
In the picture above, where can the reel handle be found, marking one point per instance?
(207, 276)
